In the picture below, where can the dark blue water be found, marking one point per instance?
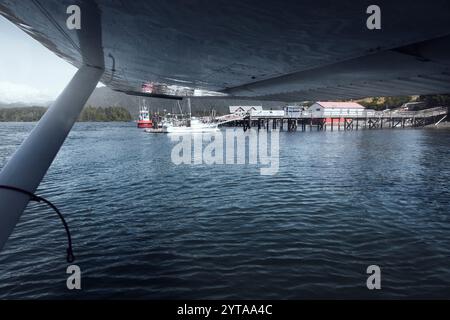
(146, 228)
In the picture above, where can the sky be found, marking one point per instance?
(29, 72)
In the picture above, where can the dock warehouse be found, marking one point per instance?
(336, 110)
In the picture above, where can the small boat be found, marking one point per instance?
(191, 126)
(155, 130)
(144, 117)
(175, 124)
(195, 126)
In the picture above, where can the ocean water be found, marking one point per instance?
(146, 228)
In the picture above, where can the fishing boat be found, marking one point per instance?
(144, 117)
(192, 125)
(155, 130)
(158, 127)
(182, 123)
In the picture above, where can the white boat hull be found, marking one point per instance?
(195, 127)
(191, 129)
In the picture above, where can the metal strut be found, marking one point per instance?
(30, 162)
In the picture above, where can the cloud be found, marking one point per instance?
(13, 92)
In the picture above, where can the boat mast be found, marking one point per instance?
(189, 106)
(190, 112)
(179, 107)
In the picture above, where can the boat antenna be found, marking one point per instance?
(189, 106)
(179, 106)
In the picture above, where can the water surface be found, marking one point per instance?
(146, 228)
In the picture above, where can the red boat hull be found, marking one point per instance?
(145, 124)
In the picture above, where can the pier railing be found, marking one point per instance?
(347, 120)
(367, 113)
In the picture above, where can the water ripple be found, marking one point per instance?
(146, 228)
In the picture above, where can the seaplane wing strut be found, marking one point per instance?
(29, 164)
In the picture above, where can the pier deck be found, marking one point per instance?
(367, 119)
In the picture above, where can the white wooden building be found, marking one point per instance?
(336, 108)
(244, 110)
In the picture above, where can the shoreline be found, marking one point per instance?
(441, 126)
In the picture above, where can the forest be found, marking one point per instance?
(89, 114)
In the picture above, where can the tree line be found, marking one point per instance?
(104, 114)
(428, 101)
(89, 114)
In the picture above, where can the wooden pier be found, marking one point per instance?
(332, 121)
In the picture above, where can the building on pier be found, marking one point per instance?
(337, 110)
(244, 110)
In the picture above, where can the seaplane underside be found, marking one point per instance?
(275, 50)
